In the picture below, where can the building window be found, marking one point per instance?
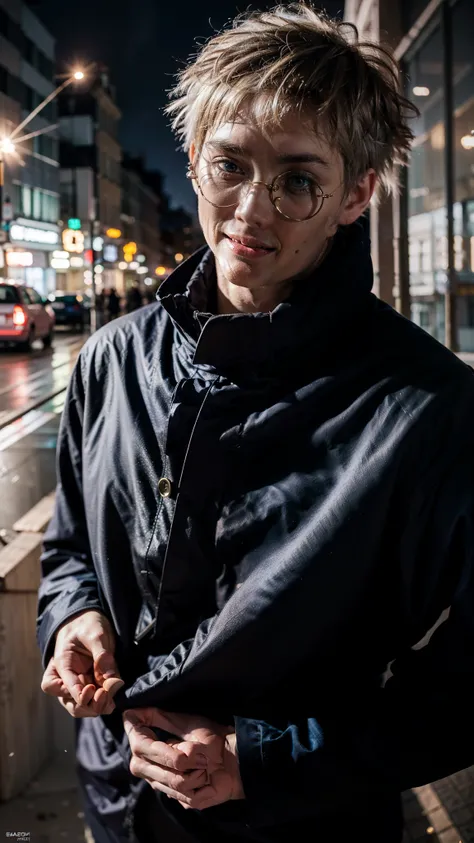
(427, 222)
(50, 208)
(37, 204)
(26, 201)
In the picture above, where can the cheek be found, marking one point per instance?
(306, 243)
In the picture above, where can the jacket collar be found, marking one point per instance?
(322, 311)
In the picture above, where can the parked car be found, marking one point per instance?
(70, 309)
(24, 317)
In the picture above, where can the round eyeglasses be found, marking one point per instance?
(295, 196)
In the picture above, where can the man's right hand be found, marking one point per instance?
(83, 673)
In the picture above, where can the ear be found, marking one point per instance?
(192, 155)
(358, 199)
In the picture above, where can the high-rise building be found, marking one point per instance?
(31, 192)
(425, 238)
(90, 156)
(140, 220)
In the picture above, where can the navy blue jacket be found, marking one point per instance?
(319, 520)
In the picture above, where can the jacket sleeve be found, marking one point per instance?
(69, 584)
(419, 727)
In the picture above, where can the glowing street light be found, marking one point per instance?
(467, 141)
(7, 146)
(421, 91)
(178, 257)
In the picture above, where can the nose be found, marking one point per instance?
(255, 206)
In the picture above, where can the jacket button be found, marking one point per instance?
(164, 487)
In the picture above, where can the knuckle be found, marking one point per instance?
(135, 765)
(178, 783)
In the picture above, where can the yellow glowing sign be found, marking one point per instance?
(113, 233)
(160, 270)
(73, 241)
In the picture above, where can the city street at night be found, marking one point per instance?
(236, 451)
(32, 391)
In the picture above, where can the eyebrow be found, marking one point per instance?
(285, 158)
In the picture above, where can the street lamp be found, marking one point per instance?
(8, 144)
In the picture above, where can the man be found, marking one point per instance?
(266, 484)
(133, 298)
(113, 304)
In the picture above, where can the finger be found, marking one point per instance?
(100, 701)
(144, 744)
(91, 708)
(104, 663)
(109, 708)
(185, 801)
(87, 694)
(51, 682)
(196, 801)
(201, 754)
(184, 783)
(71, 680)
(75, 710)
(113, 685)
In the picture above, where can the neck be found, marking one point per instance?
(234, 299)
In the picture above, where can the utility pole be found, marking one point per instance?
(93, 288)
(2, 181)
(451, 334)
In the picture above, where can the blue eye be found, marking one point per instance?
(298, 183)
(226, 167)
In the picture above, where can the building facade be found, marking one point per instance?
(140, 221)
(424, 239)
(90, 186)
(31, 192)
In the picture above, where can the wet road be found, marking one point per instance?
(28, 443)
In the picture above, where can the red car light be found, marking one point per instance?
(19, 316)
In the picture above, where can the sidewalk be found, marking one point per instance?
(49, 810)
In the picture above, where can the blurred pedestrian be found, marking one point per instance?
(113, 304)
(150, 296)
(134, 298)
(266, 484)
(100, 309)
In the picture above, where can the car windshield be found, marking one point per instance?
(67, 299)
(8, 295)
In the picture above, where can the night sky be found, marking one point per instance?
(143, 43)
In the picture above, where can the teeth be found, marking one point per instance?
(248, 247)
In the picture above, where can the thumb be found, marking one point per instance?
(105, 666)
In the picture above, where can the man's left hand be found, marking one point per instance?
(199, 768)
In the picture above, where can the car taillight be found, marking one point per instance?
(19, 316)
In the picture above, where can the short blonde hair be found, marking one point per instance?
(295, 58)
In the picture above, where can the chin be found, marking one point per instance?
(246, 277)
(245, 274)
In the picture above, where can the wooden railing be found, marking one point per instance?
(26, 714)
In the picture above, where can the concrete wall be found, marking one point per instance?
(380, 21)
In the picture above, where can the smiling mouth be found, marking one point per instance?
(252, 245)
